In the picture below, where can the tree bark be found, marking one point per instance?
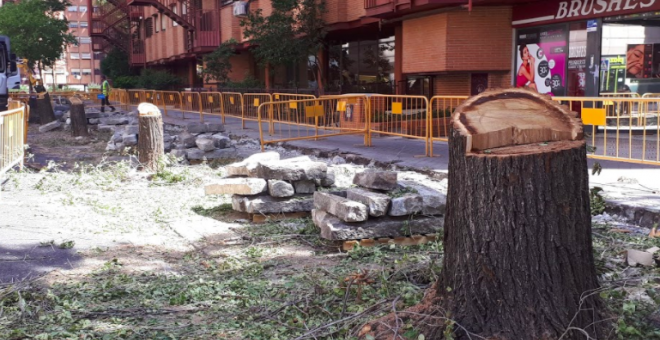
(44, 109)
(150, 140)
(518, 260)
(78, 118)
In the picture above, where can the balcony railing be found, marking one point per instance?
(376, 3)
(207, 28)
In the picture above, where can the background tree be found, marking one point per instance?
(294, 32)
(36, 33)
(116, 64)
(217, 65)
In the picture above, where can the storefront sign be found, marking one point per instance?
(553, 11)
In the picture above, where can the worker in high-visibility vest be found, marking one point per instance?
(106, 94)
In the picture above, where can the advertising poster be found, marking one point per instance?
(541, 60)
(639, 64)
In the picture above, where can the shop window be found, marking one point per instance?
(419, 86)
(577, 59)
(362, 66)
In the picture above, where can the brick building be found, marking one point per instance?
(426, 47)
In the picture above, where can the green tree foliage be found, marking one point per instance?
(217, 65)
(36, 33)
(157, 80)
(293, 32)
(116, 64)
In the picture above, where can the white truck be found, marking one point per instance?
(10, 78)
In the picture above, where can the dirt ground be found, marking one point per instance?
(91, 248)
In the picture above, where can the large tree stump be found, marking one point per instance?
(44, 109)
(518, 261)
(78, 118)
(150, 139)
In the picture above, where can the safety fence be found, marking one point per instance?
(619, 128)
(12, 136)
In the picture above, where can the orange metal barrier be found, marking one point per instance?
(441, 109)
(191, 102)
(12, 136)
(620, 129)
(232, 105)
(404, 116)
(168, 100)
(313, 119)
(212, 104)
(251, 103)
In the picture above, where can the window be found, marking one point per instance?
(84, 40)
(86, 56)
(72, 8)
(184, 9)
(83, 24)
(163, 22)
(82, 9)
(87, 72)
(75, 72)
(174, 9)
(149, 27)
(73, 24)
(74, 55)
(157, 22)
(97, 72)
(98, 55)
(60, 71)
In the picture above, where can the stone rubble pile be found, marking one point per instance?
(381, 206)
(265, 184)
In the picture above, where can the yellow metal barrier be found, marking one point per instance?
(251, 103)
(168, 100)
(404, 116)
(619, 129)
(212, 104)
(232, 105)
(191, 102)
(441, 109)
(312, 119)
(12, 136)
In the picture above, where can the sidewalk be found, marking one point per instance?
(631, 190)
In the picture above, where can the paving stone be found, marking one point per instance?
(277, 188)
(289, 171)
(379, 180)
(105, 128)
(221, 142)
(435, 202)
(344, 209)
(237, 186)
(377, 203)
(197, 154)
(332, 228)
(205, 144)
(186, 140)
(178, 153)
(242, 168)
(50, 126)
(92, 114)
(129, 140)
(113, 121)
(215, 127)
(304, 187)
(407, 204)
(265, 204)
(196, 127)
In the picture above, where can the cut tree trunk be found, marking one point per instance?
(150, 138)
(78, 118)
(518, 258)
(44, 109)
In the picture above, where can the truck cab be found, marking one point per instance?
(10, 78)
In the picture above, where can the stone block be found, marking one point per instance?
(221, 142)
(434, 201)
(117, 137)
(129, 140)
(345, 209)
(304, 187)
(197, 154)
(178, 153)
(113, 121)
(277, 188)
(265, 204)
(215, 127)
(237, 186)
(186, 140)
(50, 126)
(205, 144)
(242, 168)
(92, 114)
(196, 127)
(407, 204)
(93, 121)
(131, 129)
(332, 228)
(289, 171)
(326, 182)
(379, 180)
(377, 203)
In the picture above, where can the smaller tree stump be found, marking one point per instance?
(44, 109)
(78, 118)
(150, 139)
